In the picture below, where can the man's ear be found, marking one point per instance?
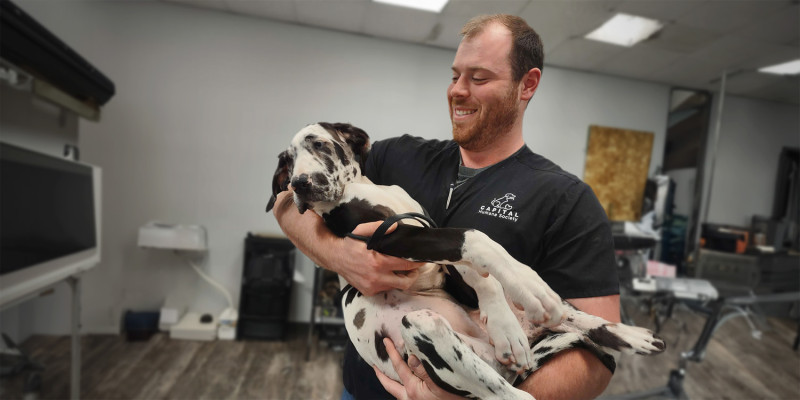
(529, 83)
(280, 180)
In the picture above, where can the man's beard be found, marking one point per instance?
(496, 121)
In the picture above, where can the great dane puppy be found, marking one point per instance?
(521, 323)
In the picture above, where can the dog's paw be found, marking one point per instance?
(627, 339)
(541, 304)
(508, 338)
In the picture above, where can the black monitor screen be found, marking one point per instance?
(46, 208)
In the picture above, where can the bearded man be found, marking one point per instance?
(549, 220)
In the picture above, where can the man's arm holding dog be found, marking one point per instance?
(368, 271)
(575, 373)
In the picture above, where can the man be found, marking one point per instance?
(487, 179)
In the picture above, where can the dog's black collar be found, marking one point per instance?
(377, 236)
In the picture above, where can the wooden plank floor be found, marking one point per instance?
(736, 366)
(161, 368)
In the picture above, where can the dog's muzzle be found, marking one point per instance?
(301, 184)
(305, 192)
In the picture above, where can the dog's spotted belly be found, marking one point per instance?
(371, 319)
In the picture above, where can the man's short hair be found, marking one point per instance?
(527, 51)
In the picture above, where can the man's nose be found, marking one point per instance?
(301, 183)
(459, 88)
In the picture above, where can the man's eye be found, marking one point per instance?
(478, 79)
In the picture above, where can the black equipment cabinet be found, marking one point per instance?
(326, 312)
(266, 287)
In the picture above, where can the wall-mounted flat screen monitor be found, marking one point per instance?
(49, 220)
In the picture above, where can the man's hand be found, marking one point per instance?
(416, 384)
(368, 271)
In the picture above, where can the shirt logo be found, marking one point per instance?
(500, 208)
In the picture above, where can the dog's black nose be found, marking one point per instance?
(301, 183)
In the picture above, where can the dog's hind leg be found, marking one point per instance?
(450, 362)
(611, 336)
(557, 342)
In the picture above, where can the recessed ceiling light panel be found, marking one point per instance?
(425, 5)
(787, 68)
(625, 30)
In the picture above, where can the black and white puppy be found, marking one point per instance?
(521, 322)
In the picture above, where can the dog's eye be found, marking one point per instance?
(318, 145)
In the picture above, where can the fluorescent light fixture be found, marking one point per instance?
(625, 30)
(425, 5)
(787, 68)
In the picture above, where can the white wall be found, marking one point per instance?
(567, 102)
(206, 100)
(751, 137)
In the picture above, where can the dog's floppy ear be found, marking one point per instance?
(356, 138)
(280, 181)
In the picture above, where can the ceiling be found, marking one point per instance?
(700, 40)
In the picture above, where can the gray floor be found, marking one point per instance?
(736, 366)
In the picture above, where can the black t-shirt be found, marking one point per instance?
(543, 216)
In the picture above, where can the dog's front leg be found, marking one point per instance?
(510, 342)
(473, 249)
(521, 284)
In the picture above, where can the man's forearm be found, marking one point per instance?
(307, 231)
(370, 272)
(576, 373)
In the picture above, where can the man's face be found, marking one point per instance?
(484, 100)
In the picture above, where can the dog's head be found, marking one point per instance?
(320, 161)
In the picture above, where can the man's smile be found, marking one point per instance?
(461, 112)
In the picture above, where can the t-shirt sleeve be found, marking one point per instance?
(388, 158)
(579, 260)
(377, 158)
(372, 163)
